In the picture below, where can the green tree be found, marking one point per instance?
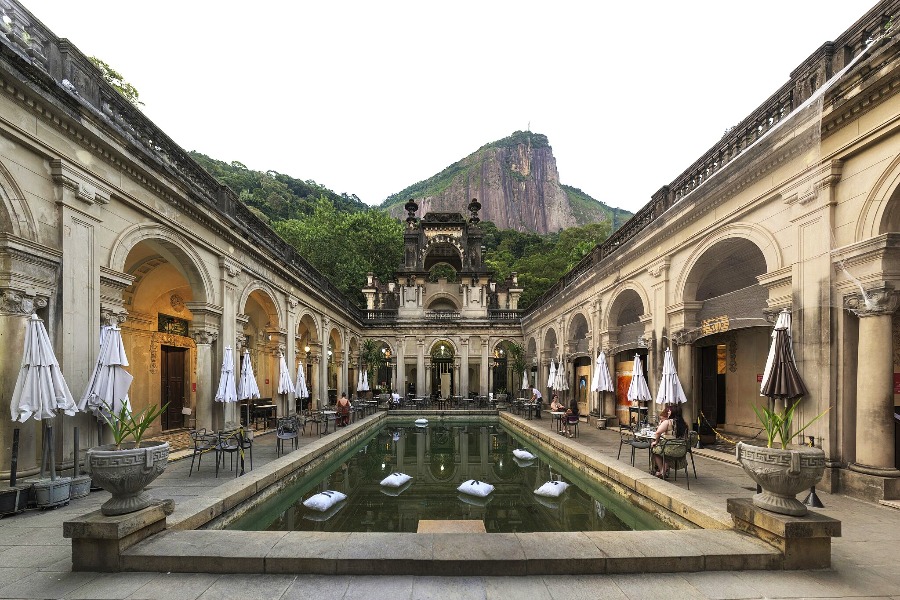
(115, 79)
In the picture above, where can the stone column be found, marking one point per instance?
(400, 381)
(15, 308)
(205, 327)
(420, 367)
(464, 371)
(229, 270)
(484, 383)
(291, 350)
(874, 382)
(323, 363)
(684, 365)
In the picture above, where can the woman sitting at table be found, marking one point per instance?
(571, 415)
(555, 404)
(671, 425)
(343, 410)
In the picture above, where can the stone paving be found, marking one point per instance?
(35, 559)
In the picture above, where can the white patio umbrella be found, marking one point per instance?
(552, 378)
(300, 391)
(525, 384)
(359, 382)
(601, 382)
(107, 390)
(285, 385)
(670, 390)
(561, 382)
(40, 389)
(638, 390)
(247, 388)
(365, 381)
(227, 392)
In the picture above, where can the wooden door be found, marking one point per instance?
(172, 386)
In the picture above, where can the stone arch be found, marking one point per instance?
(623, 298)
(442, 299)
(686, 285)
(15, 214)
(530, 349)
(551, 340)
(308, 322)
(272, 307)
(173, 247)
(578, 325)
(442, 340)
(443, 241)
(881, 208)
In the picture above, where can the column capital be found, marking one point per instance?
(16, 302)
(204, 335)
(873, 302)
(113, 316)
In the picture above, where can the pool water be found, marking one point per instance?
(439, 457)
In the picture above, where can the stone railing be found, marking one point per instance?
(442, 315)
(504, 316)
(377, 316)
(804, 81)
(68, 75)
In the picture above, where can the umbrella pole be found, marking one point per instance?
(43, 449)
(14, 460)
(75, 464)
(52, 452)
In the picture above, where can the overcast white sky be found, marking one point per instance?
(369, 97)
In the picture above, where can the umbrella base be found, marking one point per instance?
(49, 493)
(14, 500)
(80, 487)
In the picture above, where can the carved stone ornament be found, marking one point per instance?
(881, 300)
(109, 316)
(683, 337)
(205, 336)
(176, 302)
(18, 303)
(293, 302)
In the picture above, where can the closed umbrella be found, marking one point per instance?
(782, 380)
(227, 392)
(551, 380)
(359, 382)
(525, 384)
(638, 390)
(107, 390)
(300, 391)
(601, 382)
(40, 389)
(670, 390)
(561, 382)
(247, 389)
(365, 381)
(285, 385)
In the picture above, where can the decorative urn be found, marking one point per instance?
(782, 474)
(125, 473)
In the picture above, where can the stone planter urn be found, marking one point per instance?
(781, 474)
(125, 473)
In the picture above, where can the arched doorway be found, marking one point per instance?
(625, 319)
(442, 377)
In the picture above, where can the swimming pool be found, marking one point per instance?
(439, 457)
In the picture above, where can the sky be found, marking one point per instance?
(368, 98)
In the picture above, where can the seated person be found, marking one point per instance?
(555, 404)
(570, 413)
(343, 410)
(671, 425)
(395, 398)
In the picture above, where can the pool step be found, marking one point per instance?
(450, 553)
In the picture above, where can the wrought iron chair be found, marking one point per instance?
(674, 452)
(287, 428)
(203, 443)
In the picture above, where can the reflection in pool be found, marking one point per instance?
(439, 458)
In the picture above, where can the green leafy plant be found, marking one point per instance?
(123, 423)
(778, 425)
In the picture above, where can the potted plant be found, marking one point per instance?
(782, 472)
(125, 468)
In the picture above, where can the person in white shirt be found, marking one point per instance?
(537, 399)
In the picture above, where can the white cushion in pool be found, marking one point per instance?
(474, 500)
(523, 454)
(523, 463)
(324, 500)
(421, 421)
(395, 480)
(552, 489)
(474, 487)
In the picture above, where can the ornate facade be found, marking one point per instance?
(103, 219)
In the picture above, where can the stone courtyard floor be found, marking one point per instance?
(35, 559)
